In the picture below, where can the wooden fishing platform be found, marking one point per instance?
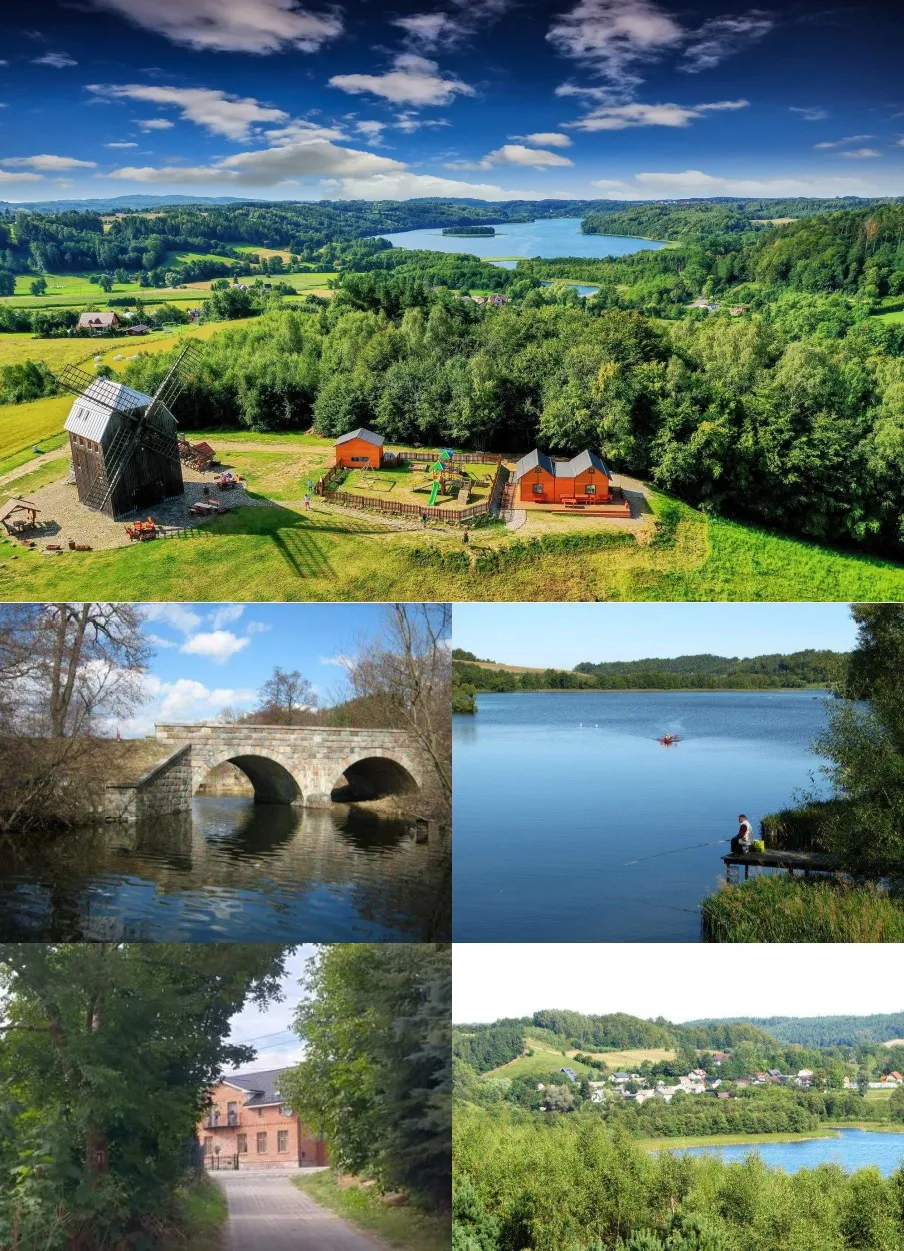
(805, 862)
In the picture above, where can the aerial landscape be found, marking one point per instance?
(583, 380)
(600, 800)
(652, 1116)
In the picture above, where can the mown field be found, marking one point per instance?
(546, 1058)
(76, 291)
(284, 553)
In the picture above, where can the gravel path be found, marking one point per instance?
(268, 1213)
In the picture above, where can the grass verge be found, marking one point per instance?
(788, 910)
(399, 1224)
(200, 1213)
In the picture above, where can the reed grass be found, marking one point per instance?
(787, 910)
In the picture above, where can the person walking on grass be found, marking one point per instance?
(307, 503)
(424, 521)
(743, 840)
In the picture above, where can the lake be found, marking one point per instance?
(553, 236)
(235, 871)
(853, 1149)
(556, 792)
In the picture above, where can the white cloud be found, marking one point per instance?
(6, 176)
(184, 699)
(218, 111)
(58, 60)
(258, 627)
(340, 661)
(514, 154)
(50, 164)
(429, 31)
(841, 143)
(120, 145)
(155, 123)
(217, 645)
(545, 139)
(178, 616)
(257, 26)
(613, 36)
(721, 37)
(406, 186)
(267, 167)
(412, 80)
(624, 116)
(810, 114)
(226, 614)
(692, 183)
(159, 641)
(608, 184)
(372, 131)
(860, 154)
(410, 122)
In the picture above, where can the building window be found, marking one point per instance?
(232, 1115)
(537, 488)
(286, 1110)
(358, 460)
(242, 1142)
(262, 1144)
(208, 1145)
(590, 488)
(282, 1140)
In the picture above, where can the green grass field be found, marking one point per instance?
(400, 485)
(283, 553)
(547, 1057)
(397, 1224)
(879, 1095)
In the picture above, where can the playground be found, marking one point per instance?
(442, 481)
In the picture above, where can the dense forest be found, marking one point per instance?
(525, 1183)
(800, 669)
(829, 1031)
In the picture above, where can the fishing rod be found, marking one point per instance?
(675, 850)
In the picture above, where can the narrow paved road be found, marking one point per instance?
(268, 1213)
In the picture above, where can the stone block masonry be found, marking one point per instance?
(164, 788)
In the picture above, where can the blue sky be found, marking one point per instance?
(210, 656)
(562, 635)
(269, 1029)
(489, 98)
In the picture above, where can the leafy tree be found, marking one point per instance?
(38, 286)
(376, 1077)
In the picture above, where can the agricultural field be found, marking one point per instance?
(546, 1057)
(331, 554)
(76, 291)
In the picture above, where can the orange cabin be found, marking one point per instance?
(541, 480)
(360, 449)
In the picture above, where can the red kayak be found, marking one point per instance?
(668, 739)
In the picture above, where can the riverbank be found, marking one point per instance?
(782, 909)
(742, 1140)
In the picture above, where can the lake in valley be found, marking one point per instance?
(550, 237)
(232, 870)
(852, 1149)
(557, 792)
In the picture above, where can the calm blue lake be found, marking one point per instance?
(556, 792)
(231, 871)
(553, 236)
(853, 1149)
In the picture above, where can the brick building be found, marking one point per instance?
(247, 1120)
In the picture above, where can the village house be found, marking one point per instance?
(569, 1073)
(248, 1121)
(98, 323)
(541, 480)
(360, 449)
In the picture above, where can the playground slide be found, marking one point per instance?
(433, 495)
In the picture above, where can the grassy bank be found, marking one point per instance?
(283, 553)
(791, 910)
(399, 1224)
(737, 1140)
(200, 1213)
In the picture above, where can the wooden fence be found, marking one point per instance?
(455, 516)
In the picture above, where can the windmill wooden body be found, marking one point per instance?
(124, 444)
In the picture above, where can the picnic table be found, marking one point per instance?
(139, 531)
(206, 508)
(226, 481)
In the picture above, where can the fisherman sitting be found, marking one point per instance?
(743, 840)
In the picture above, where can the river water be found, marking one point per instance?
(232, 870)
(556, 793)
(853, 1149)
(550, 237)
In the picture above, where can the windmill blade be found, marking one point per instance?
(162, 442)
(118, 455)
(103, 391)
(171, 387)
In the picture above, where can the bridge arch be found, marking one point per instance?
(274, 780)
(375, 776)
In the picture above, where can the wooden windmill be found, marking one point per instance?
(124, 444)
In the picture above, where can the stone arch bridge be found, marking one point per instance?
(307, 765)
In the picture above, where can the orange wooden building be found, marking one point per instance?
(248, 1120)
(541, 480)
(360, 449)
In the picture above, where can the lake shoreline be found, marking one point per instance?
(650, 690)
(737, 1140)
